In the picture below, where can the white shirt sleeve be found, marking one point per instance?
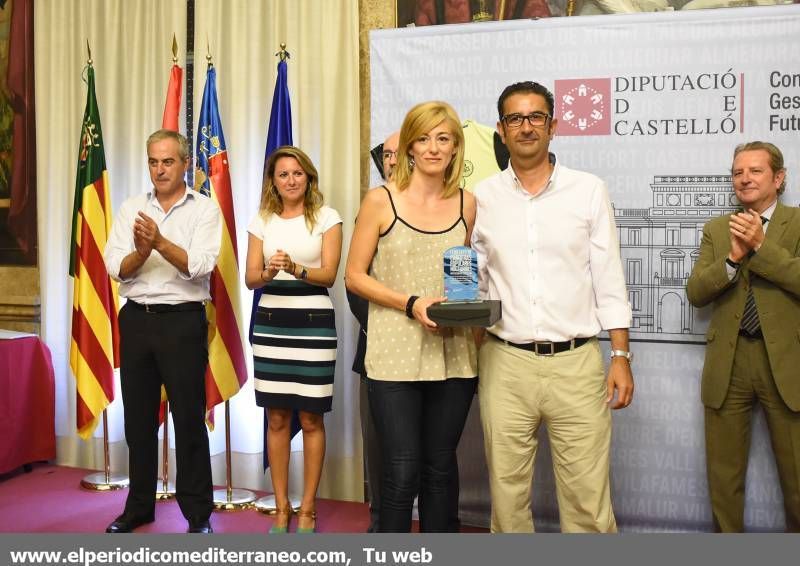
(256, 226)
(205, 243)
(328, 219)
(608, 282)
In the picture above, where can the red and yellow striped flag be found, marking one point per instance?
(94, 348)
(227, 370)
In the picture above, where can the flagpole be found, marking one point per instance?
(230, 498)
(105, 480)
(167, 488)
(267, 504)
(570, 7)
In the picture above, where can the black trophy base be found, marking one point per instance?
(467, 313)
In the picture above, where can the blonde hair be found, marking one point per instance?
(271, 202)
(775, 157)
(420, 120)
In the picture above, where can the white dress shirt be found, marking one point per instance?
(552, 259)
(194, 223)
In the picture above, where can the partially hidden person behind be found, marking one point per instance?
(421, 378)
(360, 309)
(162, 249)
(293, 252)
(749, 270)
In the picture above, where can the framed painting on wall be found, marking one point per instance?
(17, 135)
(433, 12)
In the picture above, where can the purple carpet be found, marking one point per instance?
(49, 499)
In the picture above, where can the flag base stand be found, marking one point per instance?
(100, 481)
(233, 499)
(267, 504)
(165, 491)
(105, 480)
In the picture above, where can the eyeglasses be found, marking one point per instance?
(535, 119)
(388, 154)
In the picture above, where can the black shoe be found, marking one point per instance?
(202, 526)
(126, 523)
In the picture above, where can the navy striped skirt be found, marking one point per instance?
(294, 347)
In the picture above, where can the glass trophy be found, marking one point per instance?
(463, 307)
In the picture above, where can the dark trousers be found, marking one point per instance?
(419, 425)
(728, 431)
(170, 349)
(373, 469)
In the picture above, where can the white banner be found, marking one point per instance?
(654, 104)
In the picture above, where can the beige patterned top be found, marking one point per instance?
(399, 348)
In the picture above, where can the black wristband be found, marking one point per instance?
(732, 263)
(410, 306)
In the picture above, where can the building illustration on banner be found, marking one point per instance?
(659, 247)
(659, 244)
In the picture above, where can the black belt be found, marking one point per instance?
(160, 308)
(546, 348)
(757, 336)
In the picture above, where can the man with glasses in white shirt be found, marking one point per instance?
(547, 248)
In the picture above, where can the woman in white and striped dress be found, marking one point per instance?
(293, 253)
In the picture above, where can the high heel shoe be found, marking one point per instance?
(308, 515)
(277, 529)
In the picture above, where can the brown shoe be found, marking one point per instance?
(302, 514)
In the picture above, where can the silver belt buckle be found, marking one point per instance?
(552, 351)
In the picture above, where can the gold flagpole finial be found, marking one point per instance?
(283, 54)
(208, 51)
(174, 50)
(502, 11)
(570, 7)
(89, 52)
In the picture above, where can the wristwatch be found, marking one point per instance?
(304, 274)
(622, 354)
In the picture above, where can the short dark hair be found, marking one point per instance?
(526, 87)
